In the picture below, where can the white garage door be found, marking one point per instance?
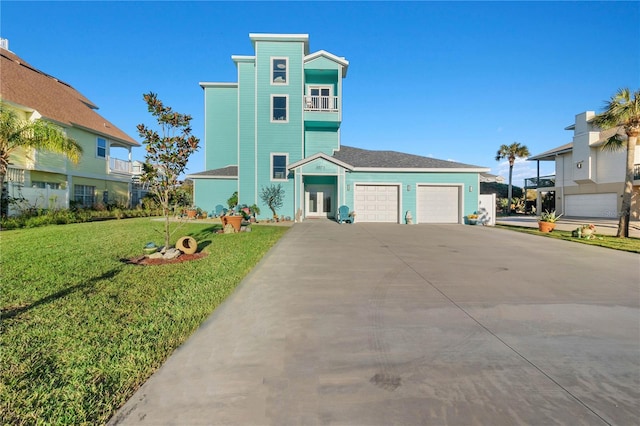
(376, 203)
(591, 205)
(438, 204)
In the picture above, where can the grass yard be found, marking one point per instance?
(624, 244)
(81, 330)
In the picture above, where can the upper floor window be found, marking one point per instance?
(279, 69)
(279, 108)
(279, 166)
(101, 148)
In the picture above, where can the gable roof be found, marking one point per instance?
(25, 86)
(324, 54)
(393, 160)
(323, 156)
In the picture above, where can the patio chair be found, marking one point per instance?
(343, 215)
(219, 211)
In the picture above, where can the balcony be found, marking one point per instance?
(322, 112)
(118, 166)
(541, 182)
(636, 172)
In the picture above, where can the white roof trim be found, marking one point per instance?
(211, 84)
(242, 58)
(341, 60)
(315, 157)
(418, 170)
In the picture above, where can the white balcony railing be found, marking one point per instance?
(321, 103)
(117, 165)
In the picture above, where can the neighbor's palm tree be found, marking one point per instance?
(622, 110)
(511, 152)
(39, 134)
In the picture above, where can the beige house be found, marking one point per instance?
(49, 180)
(589, 181)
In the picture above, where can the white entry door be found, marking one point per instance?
(319, 200)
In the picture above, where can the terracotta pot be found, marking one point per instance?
(546, 226)
(191, 214)
(235, 221)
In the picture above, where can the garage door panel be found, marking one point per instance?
(438, 204)
(591, 205)
(376, 203)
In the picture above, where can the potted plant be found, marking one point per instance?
(472, 219)
(255, 211)
(547, 221)
(192, 213)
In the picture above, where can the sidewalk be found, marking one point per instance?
(603, 226)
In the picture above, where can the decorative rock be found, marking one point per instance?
(172, 253)
(228, 229)
(156, 255)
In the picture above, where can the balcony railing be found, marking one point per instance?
(636, 172)
(542, 182)
(117, 165)
(321, 103)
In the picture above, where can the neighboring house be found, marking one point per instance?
(45, 179)
(280, 124)
(589, 181)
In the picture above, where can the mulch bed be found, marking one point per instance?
(144, 260)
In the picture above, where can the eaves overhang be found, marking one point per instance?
(324, 156)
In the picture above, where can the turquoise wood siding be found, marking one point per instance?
(221, 127)
(279, 137)
(408, 198)
(207, 193)
(247, 189)
(318, 140)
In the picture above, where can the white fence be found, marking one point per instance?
(39, 198)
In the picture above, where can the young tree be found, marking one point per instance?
(273, 197)
(38, 134)
(167, 154)
(511, 152)
(622, 110)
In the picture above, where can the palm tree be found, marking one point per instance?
(39, 134)
(511, 152)
(622, 110)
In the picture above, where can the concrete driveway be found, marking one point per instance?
(373, 324)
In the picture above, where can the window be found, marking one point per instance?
(101, 150)
(279, 68)
(279, 166)
(43, 185)
(320, 98)
(279, 108)
(84, 195)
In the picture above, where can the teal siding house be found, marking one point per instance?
(280, 124)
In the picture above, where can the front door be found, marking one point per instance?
(319, 200)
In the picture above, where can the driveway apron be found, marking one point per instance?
(374, 324)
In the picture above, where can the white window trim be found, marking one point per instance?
(320, 86)
(286, 71)
(286, 110)
(106, 150)
(273, 154)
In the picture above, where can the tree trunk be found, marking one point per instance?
(510, 190)
(625, 208)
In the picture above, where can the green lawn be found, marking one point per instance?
(81, 330)
(624, 244)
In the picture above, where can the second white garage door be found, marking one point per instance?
(376, 203)
(438, 204)
(591, 205)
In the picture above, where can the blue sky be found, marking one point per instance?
(451, 80)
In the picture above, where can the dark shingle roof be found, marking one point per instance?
(393, 160)
(229, 171)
